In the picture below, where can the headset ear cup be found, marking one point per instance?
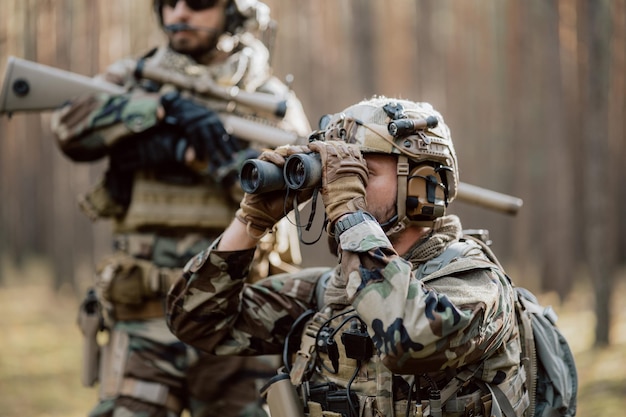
(425, 199)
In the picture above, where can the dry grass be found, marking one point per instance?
(40, 350)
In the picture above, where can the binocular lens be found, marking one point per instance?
(297, 175)
(303, 171)
(260, 176)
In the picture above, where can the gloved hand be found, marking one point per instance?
(212, 145)
(261, 211)
(344, 177)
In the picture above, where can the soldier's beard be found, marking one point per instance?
(200, 50)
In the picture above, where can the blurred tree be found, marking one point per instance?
(596, 189)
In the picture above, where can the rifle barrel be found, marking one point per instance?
(490, 199)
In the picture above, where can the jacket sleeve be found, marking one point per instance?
(212, 308)
(419, 326)
(87, 126)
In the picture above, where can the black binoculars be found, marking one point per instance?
(301, 171)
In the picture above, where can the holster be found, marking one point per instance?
(90, 322)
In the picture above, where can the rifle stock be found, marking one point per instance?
(30, 86)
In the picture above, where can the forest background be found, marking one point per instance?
(534, 93)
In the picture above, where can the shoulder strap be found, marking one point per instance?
(529, 352)
(485, 247)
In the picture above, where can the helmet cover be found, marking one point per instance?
(368, 124)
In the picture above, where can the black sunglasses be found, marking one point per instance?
(193, 4)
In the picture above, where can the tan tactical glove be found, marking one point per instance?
(344, 177)
(261, 211)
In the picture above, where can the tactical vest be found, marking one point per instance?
(338, 345)
(157, 204)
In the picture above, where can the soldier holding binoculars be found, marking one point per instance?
(413, 306)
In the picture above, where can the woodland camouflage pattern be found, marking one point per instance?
(416, 327)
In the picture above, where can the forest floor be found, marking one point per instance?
(40, 352)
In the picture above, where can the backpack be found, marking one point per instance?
(550, 368)
(551, 376)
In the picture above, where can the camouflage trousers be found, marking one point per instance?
(147, 372)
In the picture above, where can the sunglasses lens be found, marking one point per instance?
(201, 4)
(193, 4)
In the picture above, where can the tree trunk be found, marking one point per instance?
(596, 190)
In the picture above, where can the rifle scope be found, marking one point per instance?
(301, 171)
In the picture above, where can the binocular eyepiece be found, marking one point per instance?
(301, 171)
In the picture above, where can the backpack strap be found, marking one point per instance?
(485, 247)
(453, 260)
(529, 352)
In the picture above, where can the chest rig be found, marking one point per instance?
(338, 373)
(335, 368)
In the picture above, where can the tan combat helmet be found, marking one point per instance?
(428, 175)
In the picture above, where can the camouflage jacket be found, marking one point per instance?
(417, 326)
(89, 127)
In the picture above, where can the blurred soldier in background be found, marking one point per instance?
(171, 188)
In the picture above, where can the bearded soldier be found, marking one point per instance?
(416, 318)
(171, 188)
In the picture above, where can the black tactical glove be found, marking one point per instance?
(204, 131)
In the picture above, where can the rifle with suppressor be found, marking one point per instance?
(32, 87)
(29, 86)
